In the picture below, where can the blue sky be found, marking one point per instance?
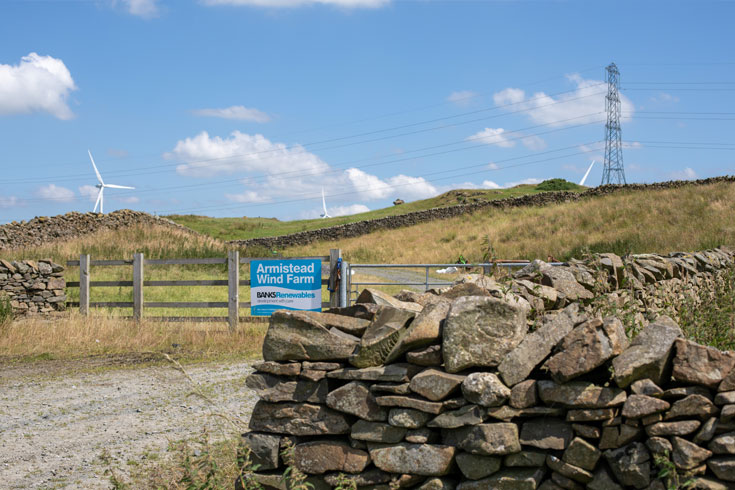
(251, 107)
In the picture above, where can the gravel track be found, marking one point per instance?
(57, 418)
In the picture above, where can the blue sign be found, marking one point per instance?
(285, 285)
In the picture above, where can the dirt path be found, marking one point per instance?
(57, 419)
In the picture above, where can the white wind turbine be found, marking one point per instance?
(324, 206)
(101, 186)
(581, 182)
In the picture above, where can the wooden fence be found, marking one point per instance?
(337, 297)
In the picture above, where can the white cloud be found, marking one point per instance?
(493, 166)
(348, 210)
(462, 98)
(209, 156)
(147, 9)
(36, 84)
(55, 193)
(493, 136)
(499, 137)
(89, 191)
(585, 104)
(9, 202)
(274, 171)
(686, 174)
(301, 3)
(235, 112)
(489, 184)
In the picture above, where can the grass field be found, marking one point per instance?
(251, 227)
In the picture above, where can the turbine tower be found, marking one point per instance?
(613, 172)
(101, 186)
(324, 206)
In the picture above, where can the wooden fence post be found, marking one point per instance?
(84, 284)
(138, 287)
(233, 288)
(334, 255)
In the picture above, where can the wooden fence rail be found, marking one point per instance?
(233, 283)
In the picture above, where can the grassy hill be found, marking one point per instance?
(244, 228)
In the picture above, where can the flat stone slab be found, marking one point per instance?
(273, 388)
(416, 459)
(435, 385)
(298, 419)
(580, 394)
(546, 433)
(475, 467)
(485, 389)
(363, 430)
(319, 457)
(467, 415)
(355, 398)
(701, 365)
(299, 336)
(487, 439)
(508, 479)
(278, 368)
(410, 402)
(395, 373)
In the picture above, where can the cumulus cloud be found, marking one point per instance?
(686, 174)
(500, 137)
(301, 3)
(276, 171)
(241, 152)
(53, 192)
(489, 184)
(462, 98)
(584, 104)
(493, 166)
(238, 112)
(36, 84)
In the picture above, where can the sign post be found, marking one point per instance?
(285, 285)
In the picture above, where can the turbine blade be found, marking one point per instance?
(99, 177)
(97, 202)
(581, 182)
(118, 186)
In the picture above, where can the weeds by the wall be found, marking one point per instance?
(709, 319)
(6, 311)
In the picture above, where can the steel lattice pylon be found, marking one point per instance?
(613, 172)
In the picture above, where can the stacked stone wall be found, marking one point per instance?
(566, 377)
(45, 229)
(360, 228)
(32, 287)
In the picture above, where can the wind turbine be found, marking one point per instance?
(101, 186)
(324, 206)
(581, 182)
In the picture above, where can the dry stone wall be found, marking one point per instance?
(33, 287)
(360, 228)
(519, 385)
(44, 229)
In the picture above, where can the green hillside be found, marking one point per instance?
(247, 227)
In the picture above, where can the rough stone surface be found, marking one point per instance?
(319, 457)
(417, 459)
(681, 428)
(518, 363)
(264, 449)
(298, 419)
(485, 389)
(692, 406)
(698, 364)
(630, 465)
(637, 406)
(388, 325)
(723, 444)
(297, 336)
(408, 418)
(582, 454)
(424, 330)
(277, 389)
(467, 415)
(547, 433)
(486, 439)
(480, 331)
(475, 467)
(524, 394)
(648, 355)
(428, 356)
(509, 479)
(355, 398)
(646, 387)
(362, 430)
(396, 373)
(723, 468)
(580, 394)
(687, 455)
(435, 385)
(568, 470)
(587, 347)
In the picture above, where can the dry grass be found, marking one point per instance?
(71, 336)
(689, 218)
